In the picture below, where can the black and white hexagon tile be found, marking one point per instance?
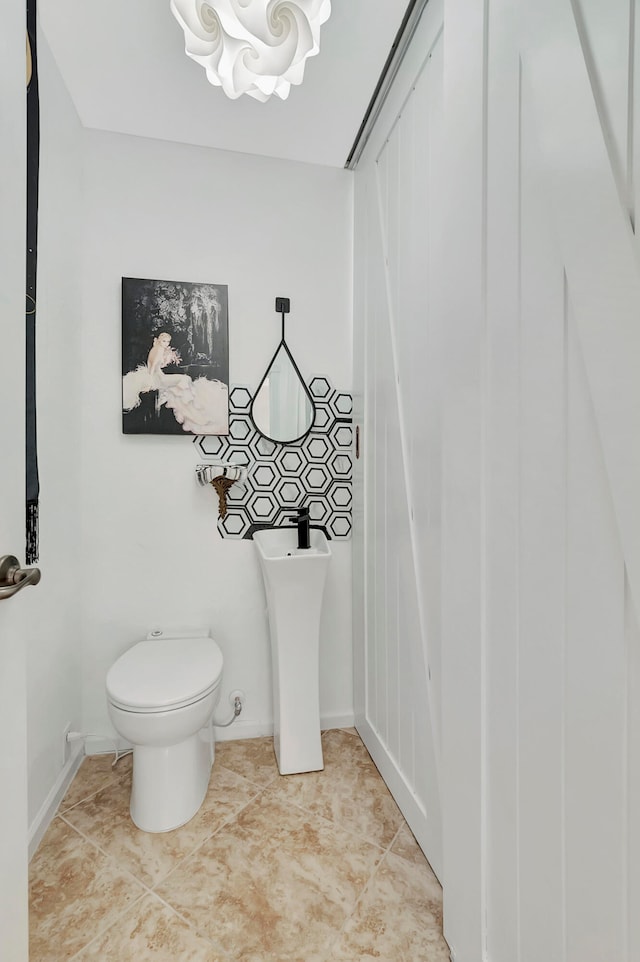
(315, 471)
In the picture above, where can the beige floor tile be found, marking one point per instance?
(253, 758)
(95, 773)
(280, 882)
(349, 791)
(75, 892)
(406, 846)
(150, 857)
(150, 932)
(275, 885)
(398, 918)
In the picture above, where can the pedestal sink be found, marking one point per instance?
(294, 581)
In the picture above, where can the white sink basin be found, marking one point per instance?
(282, 543)
(294, 580)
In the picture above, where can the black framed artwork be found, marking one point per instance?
(175, 357)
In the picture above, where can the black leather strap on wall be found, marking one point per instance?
(33, 157)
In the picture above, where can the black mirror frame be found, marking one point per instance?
(282, 306)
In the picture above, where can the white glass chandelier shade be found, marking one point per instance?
(254, 47)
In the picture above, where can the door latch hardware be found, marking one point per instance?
(13, 578)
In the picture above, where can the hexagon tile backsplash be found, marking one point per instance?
(315, 471)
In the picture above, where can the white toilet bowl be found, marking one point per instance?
(161, 695)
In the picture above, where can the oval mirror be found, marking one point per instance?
(282, 408)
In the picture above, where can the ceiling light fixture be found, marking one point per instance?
(254, 47)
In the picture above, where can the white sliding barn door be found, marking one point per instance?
(541, 464)
(397, 515)
(498, 494)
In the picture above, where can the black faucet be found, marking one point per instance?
(302, 521)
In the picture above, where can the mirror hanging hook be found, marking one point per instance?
(283, 306)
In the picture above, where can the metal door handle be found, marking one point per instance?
(13, 578)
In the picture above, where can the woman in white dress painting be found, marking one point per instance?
(200, 406)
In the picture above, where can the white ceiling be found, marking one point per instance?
(124, 65)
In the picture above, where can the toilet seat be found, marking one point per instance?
(163, 675)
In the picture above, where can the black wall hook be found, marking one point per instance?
(282, 307)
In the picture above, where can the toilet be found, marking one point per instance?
(162, 693)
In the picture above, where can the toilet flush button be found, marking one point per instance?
(178, 632)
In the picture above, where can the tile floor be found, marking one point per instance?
(302, 868)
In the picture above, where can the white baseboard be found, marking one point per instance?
(242, 728)
(343, 720)
(253, 729)
(104, 745)
(408, 804)
(50, 805)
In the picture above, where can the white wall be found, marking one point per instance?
(54, 649)
(13, 713)
(151, 553)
